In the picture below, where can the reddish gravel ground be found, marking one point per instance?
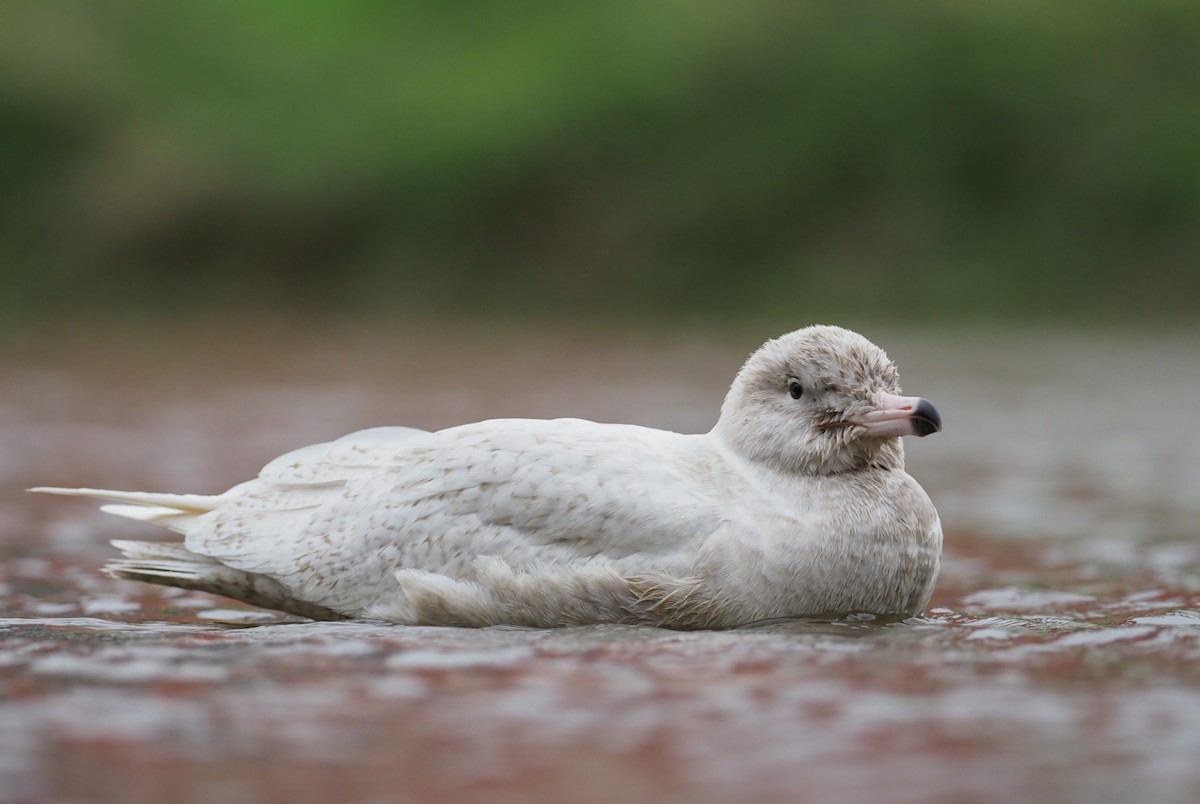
(1060, 660)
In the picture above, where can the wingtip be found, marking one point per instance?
(71, 492)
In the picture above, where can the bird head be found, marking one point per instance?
(822, 400)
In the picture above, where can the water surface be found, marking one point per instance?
(1058, 661)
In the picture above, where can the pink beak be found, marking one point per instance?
(900, 416)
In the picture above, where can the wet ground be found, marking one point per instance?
(1060, 659)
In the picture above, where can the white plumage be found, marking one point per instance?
(795, 504)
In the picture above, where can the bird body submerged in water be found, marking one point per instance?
(795, 504)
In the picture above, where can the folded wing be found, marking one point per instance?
(333, 523)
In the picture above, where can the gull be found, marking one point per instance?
(795, 504)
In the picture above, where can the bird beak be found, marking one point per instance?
(900, 416)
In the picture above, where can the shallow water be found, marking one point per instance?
(1060, 659)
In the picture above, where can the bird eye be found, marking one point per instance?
(795, 389)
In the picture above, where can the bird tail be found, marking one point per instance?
(174, 511)
(172, 564)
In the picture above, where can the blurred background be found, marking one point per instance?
(940, 162)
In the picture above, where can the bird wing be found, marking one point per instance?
(334, 523)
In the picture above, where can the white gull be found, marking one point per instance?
(795, 504)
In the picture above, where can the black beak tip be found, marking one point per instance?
(926, 419)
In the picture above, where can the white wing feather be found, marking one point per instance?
(334, 522)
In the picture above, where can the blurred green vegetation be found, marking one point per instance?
(937, 161)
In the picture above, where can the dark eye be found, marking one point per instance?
(795, 389)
